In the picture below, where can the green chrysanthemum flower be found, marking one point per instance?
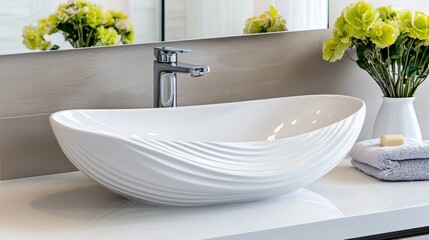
(384, 34)
(53, 20)
(387, 13)
(254, 25)
(342, 30)
(31, 37)
(126, 29)
(277, 22)
(128, 38)
(109, 20)
(107, 36)
(118, 15)
(83, 24)
(361, 16)
(390, 45)
(44, 27)
(405, 18)
(417, 26)
(61, 13)
(269, 21)
(333, 49)
(45, 45)
(79, 3)
(95, 16)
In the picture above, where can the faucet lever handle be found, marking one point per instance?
(168, 54)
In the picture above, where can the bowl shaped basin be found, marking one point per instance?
(211, 154)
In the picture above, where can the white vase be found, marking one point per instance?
(397, 116)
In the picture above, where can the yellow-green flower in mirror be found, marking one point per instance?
(31, 37)
(53, 21)
(108, 18)
(107, 36)
(123, 26)
(269, 21)
(44, 27)
(45, 45)
(118, 14)
(277, 23)
(83, 24)
(384, 34)
(254, 25)
(79, 3)
(128, 37)
(361, 16)
(94, 15)
(62, 16)
(33, 40)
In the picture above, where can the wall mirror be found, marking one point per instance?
(165, 20)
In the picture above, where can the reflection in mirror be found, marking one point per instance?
(195, 19)
(158, 20)
(14, 15)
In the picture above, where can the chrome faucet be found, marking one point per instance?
(165, 68)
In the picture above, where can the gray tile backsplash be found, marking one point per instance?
(28, 148)
(47, 82)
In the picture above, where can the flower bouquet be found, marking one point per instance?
(269, 21)
(82, 24)
(392, 45)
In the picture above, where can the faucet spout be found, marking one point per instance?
(197, 74)
(182, 68)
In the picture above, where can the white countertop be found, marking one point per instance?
(344, 203)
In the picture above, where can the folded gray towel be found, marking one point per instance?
(401, 163)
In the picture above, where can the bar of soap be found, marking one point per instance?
(392, 140)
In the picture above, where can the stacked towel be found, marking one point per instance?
(402, 163)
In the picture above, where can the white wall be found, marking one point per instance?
(304, 14)
(146, 16)
(214, 18)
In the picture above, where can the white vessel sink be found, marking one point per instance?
(211, 154)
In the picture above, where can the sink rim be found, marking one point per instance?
(53, 118)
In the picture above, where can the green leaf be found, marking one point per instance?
(65, 27)
(388, 61)
(411, 69)
(404, 55)
(361, 63)
(367, 53)
(395, 52)
(68, 31)
(359, 51)
(384, 53)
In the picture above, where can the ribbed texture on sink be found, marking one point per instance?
(191, 173)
